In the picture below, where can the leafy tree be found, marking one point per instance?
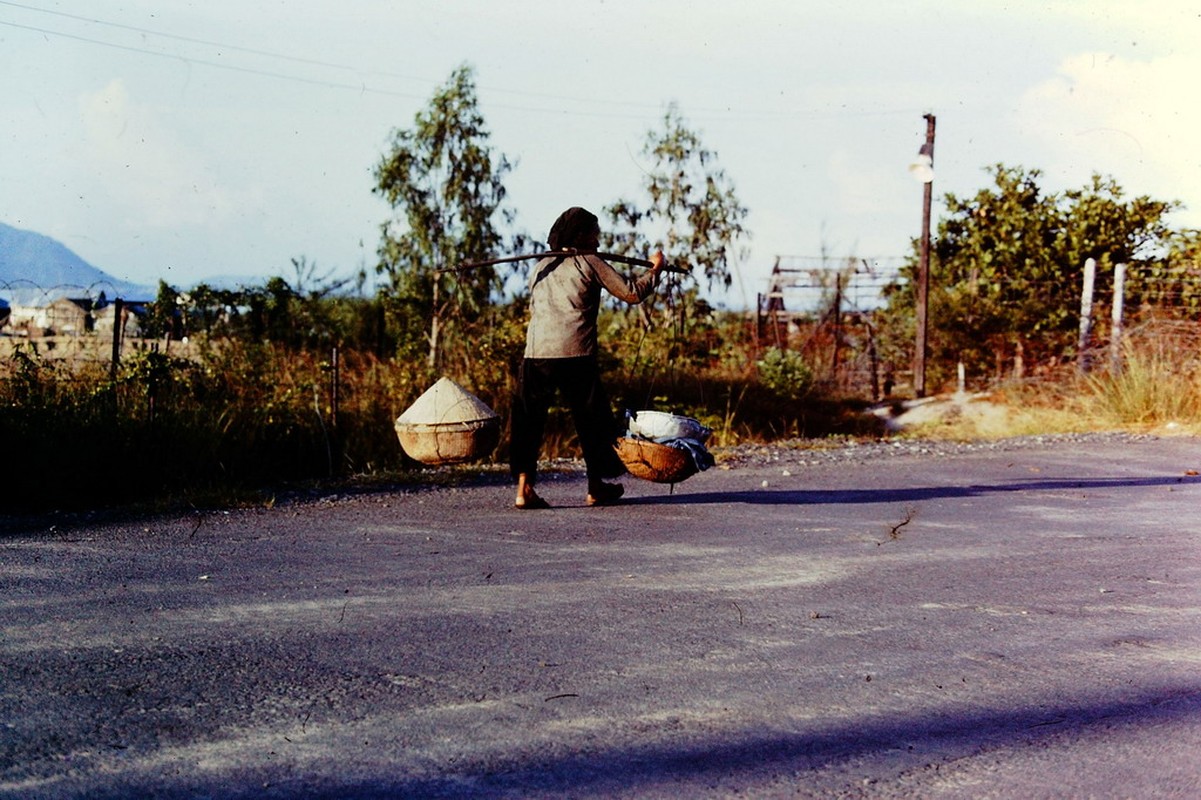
(1006, 265)
(445, 186)
(1172, 286)
(317, 306)
(692, 212)
(1100, 224)
(995, 270)
(273, 305)
(204, 309)
(162, 316)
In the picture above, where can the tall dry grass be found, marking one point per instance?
(230, 418)
(1156, 386)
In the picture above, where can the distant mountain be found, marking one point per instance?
(30, 260)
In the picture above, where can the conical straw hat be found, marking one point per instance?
(446, 402)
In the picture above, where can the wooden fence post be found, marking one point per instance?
(118, 329)
(758, 320)
(837, 325)
(874, 360)
(1086, 314)
(333, 387)
(1115, 338)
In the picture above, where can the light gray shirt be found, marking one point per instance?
(565, 302)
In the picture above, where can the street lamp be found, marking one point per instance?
(922, 170)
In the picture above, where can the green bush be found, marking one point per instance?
(785, 373)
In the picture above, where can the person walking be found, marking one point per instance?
(561, 356)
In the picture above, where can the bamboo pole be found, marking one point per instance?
(638, 262)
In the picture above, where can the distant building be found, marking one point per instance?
(69, 316)
(64, 316)
(37, 313)
(132, 313)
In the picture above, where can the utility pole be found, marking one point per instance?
(926, 158)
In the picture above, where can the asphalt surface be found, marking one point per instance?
(1003, 622)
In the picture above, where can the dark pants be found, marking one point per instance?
(578, 382)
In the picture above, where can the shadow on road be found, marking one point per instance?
(724, 756)
(910, 494)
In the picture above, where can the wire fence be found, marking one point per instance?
(82, 325)
(824, 307)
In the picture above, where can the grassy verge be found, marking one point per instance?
(231, 422)
(235, 423)
(1155, 388)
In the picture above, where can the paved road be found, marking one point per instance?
(1012, 622)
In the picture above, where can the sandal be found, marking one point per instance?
(605, 494)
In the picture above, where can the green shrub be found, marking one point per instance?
(785, 373)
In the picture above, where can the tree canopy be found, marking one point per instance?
(1006, 264)
(445, 185)
(692, 212)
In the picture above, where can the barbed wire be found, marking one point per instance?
(25, 292)
(807, 284)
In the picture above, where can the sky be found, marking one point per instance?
(187, 140)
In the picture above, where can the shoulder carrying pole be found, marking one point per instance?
(638, 262)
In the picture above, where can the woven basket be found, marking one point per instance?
(655, 462)
(449, 442)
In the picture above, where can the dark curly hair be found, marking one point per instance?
(573, 228)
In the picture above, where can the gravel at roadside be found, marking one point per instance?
(814, 452)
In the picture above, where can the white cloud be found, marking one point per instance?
(154, 178)
(1135, 120)
(223, 156)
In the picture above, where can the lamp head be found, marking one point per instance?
(922, 168)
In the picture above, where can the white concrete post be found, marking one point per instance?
(1115, 339)
(1086, 314)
